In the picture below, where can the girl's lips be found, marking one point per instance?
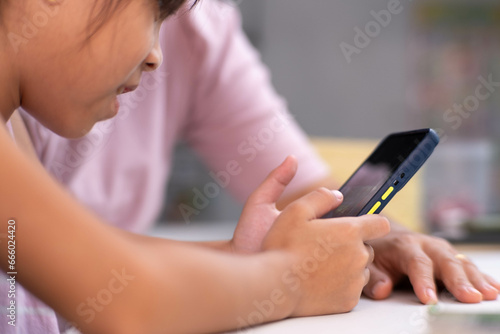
(127, 89)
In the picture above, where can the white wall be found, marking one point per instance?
(300, 41)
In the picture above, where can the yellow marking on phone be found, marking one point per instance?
(387, 193)
(374, 208)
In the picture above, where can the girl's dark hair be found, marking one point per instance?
(168, 7)
(100, 13)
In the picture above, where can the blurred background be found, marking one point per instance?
(347, 71)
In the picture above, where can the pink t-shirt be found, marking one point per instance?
(211, 91)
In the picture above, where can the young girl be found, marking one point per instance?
(65, 62)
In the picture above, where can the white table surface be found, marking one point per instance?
(401, 313)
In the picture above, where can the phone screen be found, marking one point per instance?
(375, 172)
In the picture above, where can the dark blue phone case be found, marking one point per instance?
(403, 172)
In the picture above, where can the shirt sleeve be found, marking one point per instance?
(239, 125)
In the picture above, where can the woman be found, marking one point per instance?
(67, 73)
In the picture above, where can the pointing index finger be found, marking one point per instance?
(275, 183)
(373, 226)
(315, 204)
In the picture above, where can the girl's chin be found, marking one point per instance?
(112, 109)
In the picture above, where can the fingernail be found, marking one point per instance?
(432, 297)
(489, 287)
(337, 194)
(473, 290)
(377, 287)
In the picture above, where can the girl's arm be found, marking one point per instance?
(105, 282)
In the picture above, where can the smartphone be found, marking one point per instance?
(386, 171)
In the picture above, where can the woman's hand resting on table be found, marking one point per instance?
(424, 259)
